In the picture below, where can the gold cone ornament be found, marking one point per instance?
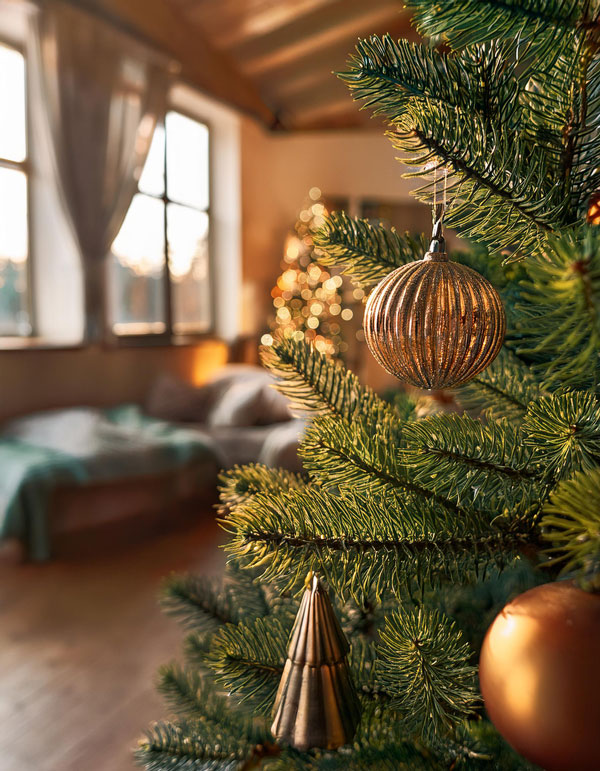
(434, 323)
(316, 703)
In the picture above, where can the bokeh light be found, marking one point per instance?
(308, 299)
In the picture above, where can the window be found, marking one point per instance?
(15, 316)
(160, 266)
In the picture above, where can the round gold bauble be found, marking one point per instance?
(434, 323)
(540, 676)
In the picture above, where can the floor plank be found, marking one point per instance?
(80, 642)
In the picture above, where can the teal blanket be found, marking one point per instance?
(79, 446)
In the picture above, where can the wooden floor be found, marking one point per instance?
(80, 642)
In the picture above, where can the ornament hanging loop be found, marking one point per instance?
(437, 214)
(437, 247)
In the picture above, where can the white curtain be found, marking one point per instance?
(103, 93)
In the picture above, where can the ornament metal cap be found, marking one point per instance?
(437, 247)
(316, 703)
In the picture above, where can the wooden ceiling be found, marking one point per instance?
(271, 58)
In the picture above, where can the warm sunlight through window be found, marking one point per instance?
(160, 270)
(14, 247)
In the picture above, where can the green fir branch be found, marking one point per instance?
(196, 646)
(559, 103)
(559, 310)
(401, 756)
(488, 750)
(584, 174)
(478, 465)
(350, 455)
(366, 545)
(192, 695)
(239, 483)
(313, 382)
(194, 745)
(365, 251)
(464, 113)
(187, 692)
(247, 660)
(490, 265)
(390, 74)
(544, 28)
(528, 129)
(503, 390)
(424, 667)
(563, 432)
(571, 523)
(500, 188)
(201, 603)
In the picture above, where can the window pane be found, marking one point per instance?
(187, 160)
(13, 144)
(14, 317)
(187, 235)
(152, 179)
(138, 270)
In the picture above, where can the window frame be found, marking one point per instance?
(169, 337)
(25, 166)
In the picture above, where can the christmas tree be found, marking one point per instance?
(307, 298)
(424, 529)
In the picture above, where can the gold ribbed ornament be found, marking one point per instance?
(434, 323)
(316, 703)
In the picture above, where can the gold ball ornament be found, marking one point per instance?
(434, 323)
(539, 673)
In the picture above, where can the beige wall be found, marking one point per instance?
(277, 172)
(32, 380)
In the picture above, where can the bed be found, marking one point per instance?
(68, 470)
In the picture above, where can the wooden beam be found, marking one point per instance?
(322, 63)
(310, 97)
(324, 30)
(281, 90)
(319, 96)
(213, 71)
(231, 22)
(335, 115)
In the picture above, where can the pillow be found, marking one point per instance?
(237, 373)
(280, 448)
(171, 398)
(274, 406)
(250, 402)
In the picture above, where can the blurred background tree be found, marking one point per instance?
(312, 302)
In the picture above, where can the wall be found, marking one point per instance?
(277, 172)
(97, 376)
